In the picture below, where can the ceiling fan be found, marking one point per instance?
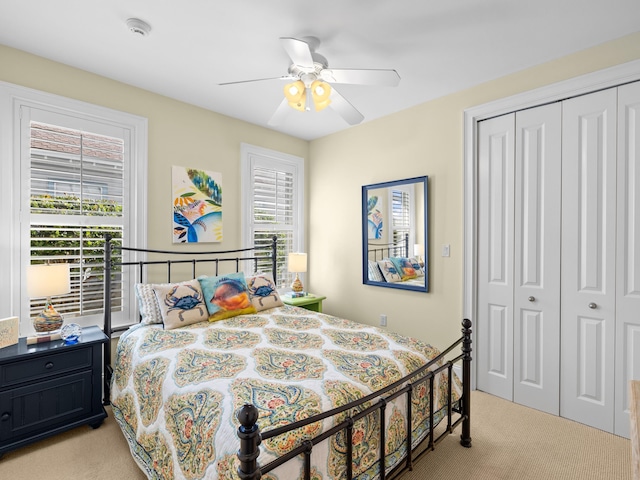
(311, 82)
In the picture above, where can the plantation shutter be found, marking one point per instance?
(273, 213)
(76, 196)
(400, 214)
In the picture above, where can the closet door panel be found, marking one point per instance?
(495, 267)
(588, 259)
(628, 253)
(538, 159)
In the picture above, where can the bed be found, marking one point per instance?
(391, 263)
(277, 393)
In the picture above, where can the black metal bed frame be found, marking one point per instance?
(399, 249)
(249, 433)
(251, 437)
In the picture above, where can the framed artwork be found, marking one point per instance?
(374, 217)
(197, 205)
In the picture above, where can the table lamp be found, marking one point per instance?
(46, 280)
(417, 252)
(297, 264)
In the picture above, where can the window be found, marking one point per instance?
(402, 227)
(273, 199)
(78, 172)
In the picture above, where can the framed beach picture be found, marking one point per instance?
(8, 331)
(197, 205)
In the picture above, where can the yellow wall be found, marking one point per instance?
(179, 134)
(423, 140)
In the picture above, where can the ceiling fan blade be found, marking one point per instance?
(347, 111)
(280, 113)
(298, 51)
(285, 77)
(384, 78)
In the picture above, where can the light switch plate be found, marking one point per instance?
(445, 250)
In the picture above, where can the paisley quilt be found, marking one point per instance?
(175, 392)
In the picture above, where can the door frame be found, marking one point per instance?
(581, 85)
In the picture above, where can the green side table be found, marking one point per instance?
(310, 302)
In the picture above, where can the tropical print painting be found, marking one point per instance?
(197, 205)
(374, 218)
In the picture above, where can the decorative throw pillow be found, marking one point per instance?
(181, 304)
(375, 275)
(263, 292)
(226, 296)
(389, 271)
(148, 303)
(404, 267)
(417, 267)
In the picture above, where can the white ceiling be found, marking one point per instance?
(437, 47)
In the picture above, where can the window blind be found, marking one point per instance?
(400, 213)
(273, 213)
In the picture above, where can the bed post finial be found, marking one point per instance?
(465, 437)
(249, 435)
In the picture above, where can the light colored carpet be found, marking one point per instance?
(509, 442)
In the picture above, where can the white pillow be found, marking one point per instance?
(375, 275)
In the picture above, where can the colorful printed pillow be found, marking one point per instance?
(148, 303)
(375, 275)
(389, 271)
(263, 292)
(181, 304)
(417, 267)
(226, 296)
(404, 267)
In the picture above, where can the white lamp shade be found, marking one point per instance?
(418, 248)
(48, 280)
(297, 262)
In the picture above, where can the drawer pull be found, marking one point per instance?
(5, 416)
(48, 365)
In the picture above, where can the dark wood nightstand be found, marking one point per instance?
(48, 388)
(310, 302)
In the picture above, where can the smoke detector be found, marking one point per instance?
(138, 27)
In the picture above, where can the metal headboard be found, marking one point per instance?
(217, 258)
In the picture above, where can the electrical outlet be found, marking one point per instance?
(383, 320)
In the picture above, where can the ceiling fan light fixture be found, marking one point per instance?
(320, 91)
(295, 95)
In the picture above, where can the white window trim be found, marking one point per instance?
(246, 152)
(12, 98)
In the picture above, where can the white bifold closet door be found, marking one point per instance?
(558, 325)
(628, 253)
(588, 259)
(519, 251)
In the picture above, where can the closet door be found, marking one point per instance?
(536, 307)
(628, 253)
(495, 256)
(588, 259)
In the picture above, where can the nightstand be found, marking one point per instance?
(50, 387)
(310, 302)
